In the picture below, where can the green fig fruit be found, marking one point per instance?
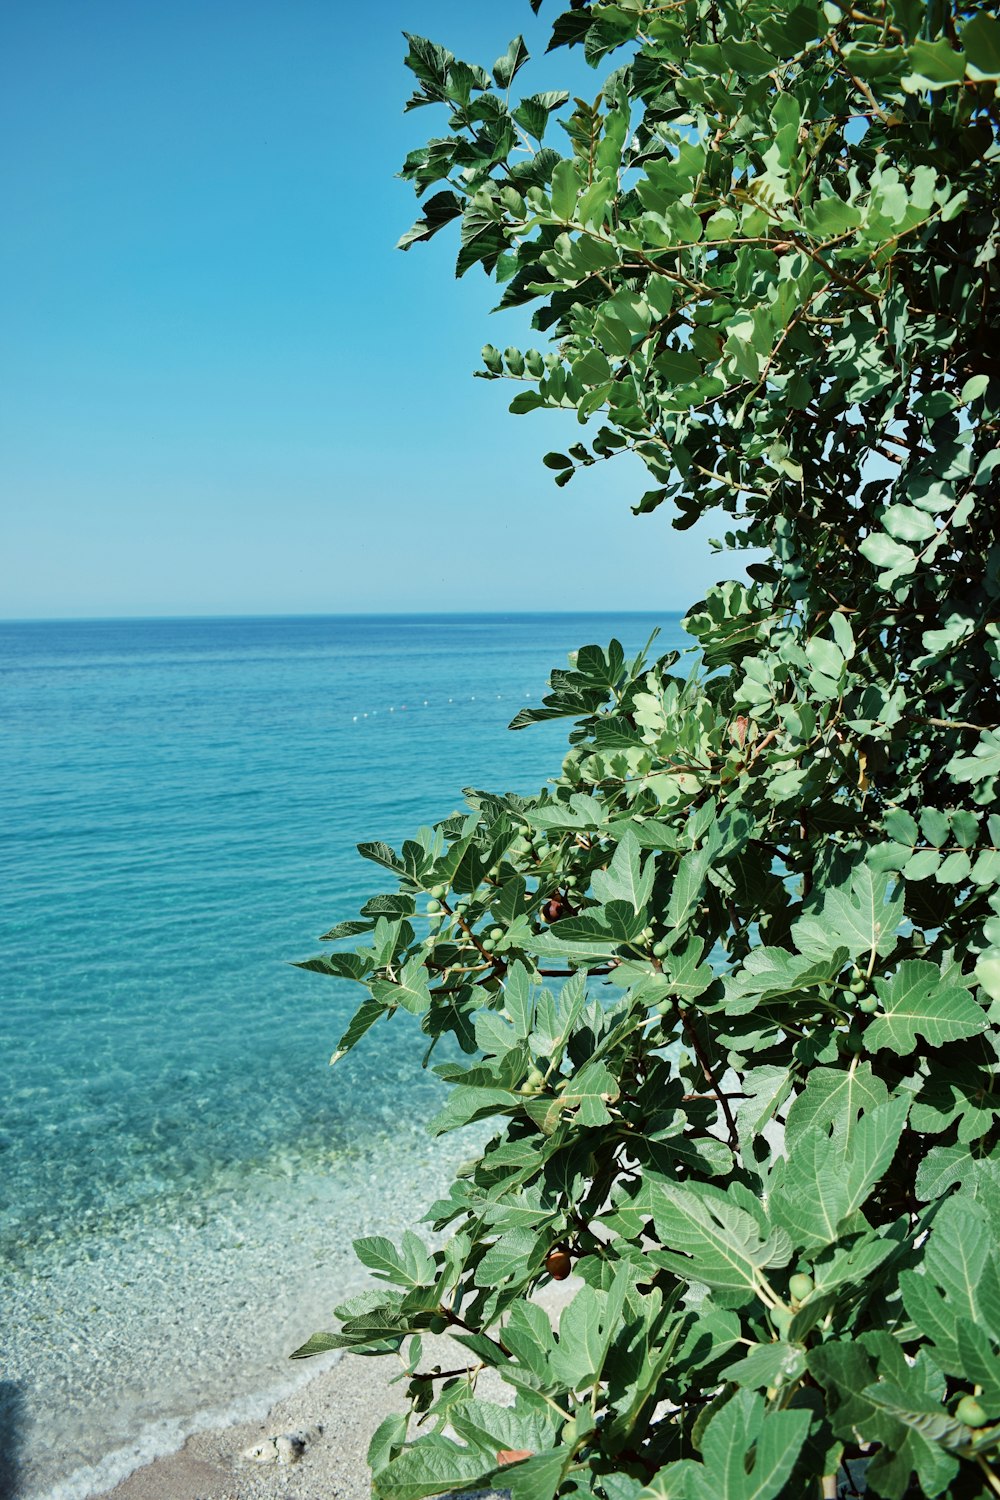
(970, 1412)
(534, 1083)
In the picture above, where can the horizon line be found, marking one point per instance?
(378, 614)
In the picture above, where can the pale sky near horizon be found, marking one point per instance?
(223, 390)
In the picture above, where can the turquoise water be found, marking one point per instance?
(180, 803)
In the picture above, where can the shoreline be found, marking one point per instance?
(163, 1439)
(334, 1411)
(139, 1343)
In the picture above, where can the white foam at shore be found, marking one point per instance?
(125, 1348)
(158, 1439)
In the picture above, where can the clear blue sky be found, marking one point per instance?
(223, 390)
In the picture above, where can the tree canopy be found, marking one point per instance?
(756, 1106)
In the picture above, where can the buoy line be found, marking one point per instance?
(403, 707)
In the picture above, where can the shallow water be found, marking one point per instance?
(182, 1172)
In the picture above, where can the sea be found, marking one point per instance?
(181, 1171)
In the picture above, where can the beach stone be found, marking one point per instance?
(261, 1453)
(285, 1448)
(290, 1446)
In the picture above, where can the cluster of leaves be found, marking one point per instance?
(757, 1105)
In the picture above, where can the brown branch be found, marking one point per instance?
(709, 1076)
(859, 83)
(454, 1319)
(447, 1374)
(568, 973)
(487, 958)
(951, 724)
(762, 746)
(831, 271)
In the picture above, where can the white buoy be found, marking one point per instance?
(355, 718)
(392, 710)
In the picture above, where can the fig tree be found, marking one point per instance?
(815, 349)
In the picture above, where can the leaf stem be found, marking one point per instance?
(990, 1477)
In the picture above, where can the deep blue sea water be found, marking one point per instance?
(180, 802)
